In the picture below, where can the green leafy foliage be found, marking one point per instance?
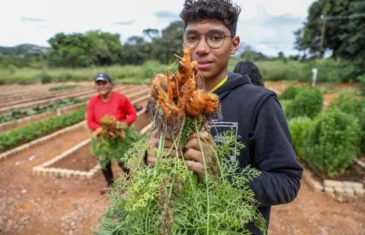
(351, 104)
(170, 199)
(52, 106)
(361, 80)
(45, 78)
(26, 134)
(113, 142)
(332, 143)
(307, 103)
(297, 127)
(336, 24)
(63, 87)
(291, 92)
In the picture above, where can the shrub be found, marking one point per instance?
(291, 92)
(65, 77)
(45, 78)
(351, 104)
(346, 103)
(331, 143)
(25, 81)
(361, 80)
(297, 127)
(307, 103)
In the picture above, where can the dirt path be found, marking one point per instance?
(50, 205)
(316, 213)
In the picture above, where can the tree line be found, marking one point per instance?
(97, 48)
(332, 27)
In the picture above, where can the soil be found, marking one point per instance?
(50, 205)
(80, 160)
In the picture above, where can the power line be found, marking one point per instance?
(339, 17)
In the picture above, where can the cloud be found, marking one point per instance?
(30, 19)
(125, 22)
(166, 15)
(40, 26)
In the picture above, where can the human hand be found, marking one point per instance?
(196, 153)
(97, 132)
(169, 147)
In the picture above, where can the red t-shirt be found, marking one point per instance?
(118, 106)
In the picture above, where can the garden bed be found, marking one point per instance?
(78, 161)
(82, 160)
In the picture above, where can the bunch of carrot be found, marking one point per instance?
(112, 140)
(177, 95)
(111, 128)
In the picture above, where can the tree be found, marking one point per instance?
(151, 33)
(82, 50)
(136, 51)
(170, 43)
(72, 50)
(248, 53)
(336, 26)
(107, 47)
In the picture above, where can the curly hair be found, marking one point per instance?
(221, 10)
(249, 68)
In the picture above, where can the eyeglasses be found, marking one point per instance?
(214, 38)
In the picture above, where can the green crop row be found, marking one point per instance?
(16, 137)
(37, 109)
(63, 87)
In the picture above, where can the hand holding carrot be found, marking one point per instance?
(154, 140)
(97, 132)
(198, 153)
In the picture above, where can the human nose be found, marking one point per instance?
(202, 47)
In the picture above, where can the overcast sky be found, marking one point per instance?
(266, 25)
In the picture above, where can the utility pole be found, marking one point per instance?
(323, 32)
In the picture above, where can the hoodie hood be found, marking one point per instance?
(234, 81)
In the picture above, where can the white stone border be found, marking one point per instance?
(342, 191)
(17, 150)
(44, 170)
(360, 163)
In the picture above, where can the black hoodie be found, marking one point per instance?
(256, 115)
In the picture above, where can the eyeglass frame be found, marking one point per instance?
(206, 38)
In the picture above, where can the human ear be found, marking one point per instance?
(235, 44)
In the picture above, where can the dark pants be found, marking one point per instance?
(108, 173)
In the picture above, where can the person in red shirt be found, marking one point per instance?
(108, 102)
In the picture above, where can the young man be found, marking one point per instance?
(253, 111)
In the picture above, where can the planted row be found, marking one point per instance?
(37, 109)
(63, 87)
(14, 138)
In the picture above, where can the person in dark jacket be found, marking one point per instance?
(249, 68)
(253, 111)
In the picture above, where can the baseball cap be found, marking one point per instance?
(103, 77)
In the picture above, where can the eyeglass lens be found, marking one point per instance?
(213, 38)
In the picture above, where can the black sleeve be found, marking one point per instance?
(270, 144)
